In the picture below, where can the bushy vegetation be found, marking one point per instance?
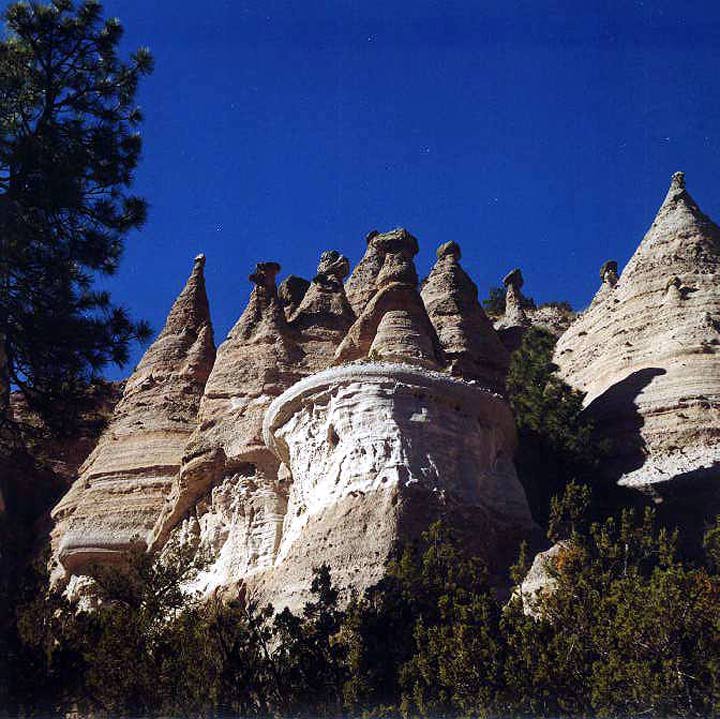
(557, 444)
(628, 630)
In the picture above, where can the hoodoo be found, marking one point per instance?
(470, 344)
(336, 422)
(646, 352)
(383, 442)
(123, 484)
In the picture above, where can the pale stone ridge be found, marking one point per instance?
(123, 483)
(394, 325)
(470, 344)
(646, 350)
(376, 450)
(231, 494)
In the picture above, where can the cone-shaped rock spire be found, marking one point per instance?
(363, 282)
(470, 344)
(324, 315)
(124, 482)
(646, 350)
(259, 359)
(394, 325)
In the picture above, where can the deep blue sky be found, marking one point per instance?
(538, 134)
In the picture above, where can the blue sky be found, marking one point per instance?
(538, 134)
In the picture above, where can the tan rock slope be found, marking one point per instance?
(336, 422)
(471, 346)
(646, 350)
(123, 483)
(230, 496)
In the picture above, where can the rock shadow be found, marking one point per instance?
(617, 421)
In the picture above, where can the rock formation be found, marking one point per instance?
(512, 325)
(231, 494)
(331, 427)
(122, 486)
(381, 443)
(291, 292)
(363, 282)
(470, 344)
(646, 352)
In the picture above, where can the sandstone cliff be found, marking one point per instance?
(123, 483)
(646, 352)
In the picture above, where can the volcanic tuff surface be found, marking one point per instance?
(341, 416)
(646, 351)
(122, 485)
(336, 421)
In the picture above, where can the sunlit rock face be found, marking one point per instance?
(469, 343)
(230, 496)
(123, 484)
(646, 353)
(336, 423)
(376, 450)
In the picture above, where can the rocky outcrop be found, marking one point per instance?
(382, 443)
(512, 325)
(646, 353)
(291, 292)
(363, 282)
(394, 325)
(324, 315)
(258, 360)
(123, 484)
(469, 342)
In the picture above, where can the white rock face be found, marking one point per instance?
(237, 527)
(647, 350)
(376, 448)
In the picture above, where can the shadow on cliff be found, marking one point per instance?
(617, 421)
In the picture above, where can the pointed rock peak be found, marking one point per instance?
(191, 310)
(397, 267)
(363, 282)
(332, 269)
(678, 196)
(471, 346)
(265, 274)
(609, 273)
(291, 292)
(264, 308)
(449, 249)
(514, 311)
(678, 181)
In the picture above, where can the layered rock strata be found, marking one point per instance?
(123, 484)
(646, 352)
(381, 444)
(469, 342)
(231, 494)
(361, 285)
(512, 325)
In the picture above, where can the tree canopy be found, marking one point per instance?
(69, 144)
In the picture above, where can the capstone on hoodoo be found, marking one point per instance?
(647, 354)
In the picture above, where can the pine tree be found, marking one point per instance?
(68, 148)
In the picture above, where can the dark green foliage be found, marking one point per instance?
(629, 630)
(556, 441)
(68, 148)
